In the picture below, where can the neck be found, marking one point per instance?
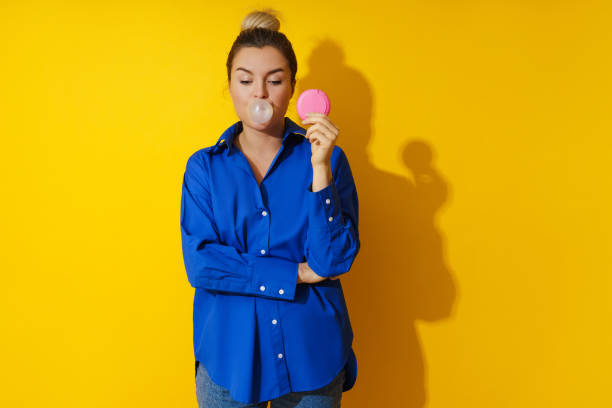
(260, 141)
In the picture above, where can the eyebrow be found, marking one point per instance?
(270, 72)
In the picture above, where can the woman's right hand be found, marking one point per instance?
(307, 275)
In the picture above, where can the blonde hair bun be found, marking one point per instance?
(261, 19)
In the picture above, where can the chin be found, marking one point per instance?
(261, 126)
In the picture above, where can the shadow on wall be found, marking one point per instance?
(399, 275)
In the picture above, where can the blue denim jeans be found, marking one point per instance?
(211, 395)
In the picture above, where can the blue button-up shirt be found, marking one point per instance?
(257, 332)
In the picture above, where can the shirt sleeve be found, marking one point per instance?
(332, 241)
(212, 265)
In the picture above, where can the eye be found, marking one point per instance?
(248, 82)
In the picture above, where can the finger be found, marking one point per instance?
(329, 128)
(317, 128)
(315, 117)
(329, 137)
(323, 120)
(319, 138)
(331, 134)
(314, 138)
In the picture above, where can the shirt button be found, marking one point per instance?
(264, 213)
(330, 219)
(280, 355)
(274, 321)
(263, 251)
(327, 201)
(262, 288)
(280, 291)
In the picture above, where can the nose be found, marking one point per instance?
(260, 89)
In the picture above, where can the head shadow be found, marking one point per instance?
(400, 275)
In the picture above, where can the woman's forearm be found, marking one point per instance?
(321, 176)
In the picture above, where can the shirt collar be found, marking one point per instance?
(227, 137)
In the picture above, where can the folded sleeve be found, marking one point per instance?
(332, 240)
(212, 265)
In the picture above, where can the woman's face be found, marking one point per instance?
(260, 73)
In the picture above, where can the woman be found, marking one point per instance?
(269, 219)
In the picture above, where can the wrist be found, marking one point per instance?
(321, 164)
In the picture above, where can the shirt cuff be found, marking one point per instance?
(273, 277)
(324, 208)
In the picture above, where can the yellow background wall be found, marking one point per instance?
(479, 137)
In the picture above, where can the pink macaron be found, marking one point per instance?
(312, 100)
